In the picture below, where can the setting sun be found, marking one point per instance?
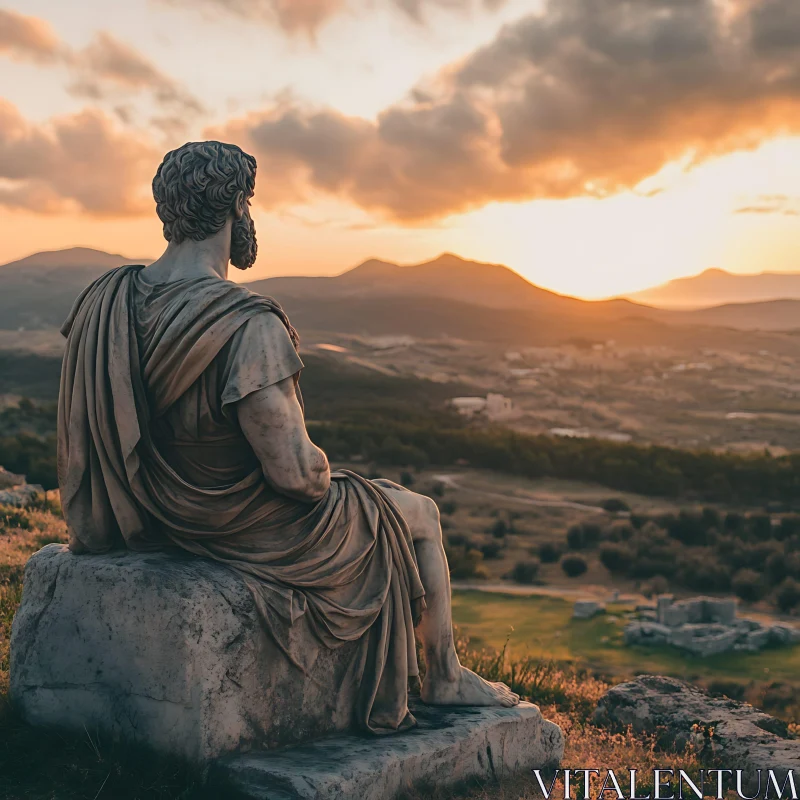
(432, 130)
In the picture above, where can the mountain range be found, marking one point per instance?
(448, 296)
(716, 287)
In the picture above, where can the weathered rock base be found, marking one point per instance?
(449, 746)
(728, 731)
(167, 650)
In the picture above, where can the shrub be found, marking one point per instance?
(777, 567)
(458, 540)
(438, 489)
(787, 595)
(465, 562)
(573, 566)
(499, 529)
(760, 526)
(702, 574)
(592, 534)
(790, 526)
(711, 518)
(575, 538)
(587, 534)
(688, 528)
(11, 517)
(734, 522)
(549, 553)
(748, 586)
(448, 507)
(655, 586)
(619, 532)
(491, 550)
(406, 478)
(616, 558)
(525, 571)
(615, 504)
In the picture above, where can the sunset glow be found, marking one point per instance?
(397, 135)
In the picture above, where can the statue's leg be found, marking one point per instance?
(446, 681)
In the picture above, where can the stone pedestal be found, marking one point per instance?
(449, 746)
(165, 649)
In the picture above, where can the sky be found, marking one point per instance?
(597, 147)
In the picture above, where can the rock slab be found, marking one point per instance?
(449, 746)
(737, 734)
(586, 609)
(166, 650)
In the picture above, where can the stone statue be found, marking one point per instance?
(181, 425)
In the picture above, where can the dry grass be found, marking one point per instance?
(44, 765)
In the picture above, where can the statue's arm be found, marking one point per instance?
(272, 422)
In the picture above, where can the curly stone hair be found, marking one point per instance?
(198, 186)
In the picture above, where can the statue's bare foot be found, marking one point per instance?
(468, 689)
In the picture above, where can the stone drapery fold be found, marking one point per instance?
(347, 563)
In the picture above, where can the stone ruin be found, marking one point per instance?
(15, 491)
(704, 626)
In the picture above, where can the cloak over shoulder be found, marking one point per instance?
(347, 563)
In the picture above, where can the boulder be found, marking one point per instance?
(734, 733)
(449, 746)
(646, 633)
(8, 480)
(586, 609)
(782, 634)
(21, 496)
(164, 649)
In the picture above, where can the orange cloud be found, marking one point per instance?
(105, 65)
(80, 161)
(110, 61)
(28, 38)
(588, 98)
(306, 16)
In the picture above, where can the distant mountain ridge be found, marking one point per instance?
(447, 276)
(716, 287)
(81, 258)
(448, 296)
(38, 291)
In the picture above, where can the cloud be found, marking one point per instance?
(28, 38)
(79, 161)
(108, 61)
(99, 70)
(773, 204)
(307, 16)
(590, 97)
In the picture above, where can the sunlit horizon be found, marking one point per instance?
(381, 136)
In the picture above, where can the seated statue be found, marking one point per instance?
(180, 424)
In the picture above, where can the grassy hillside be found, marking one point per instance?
(47, 765)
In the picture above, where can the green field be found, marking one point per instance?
(543, 627)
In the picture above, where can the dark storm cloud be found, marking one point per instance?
(587, 98)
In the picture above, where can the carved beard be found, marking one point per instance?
(244, 247)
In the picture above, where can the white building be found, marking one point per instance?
(495, 407)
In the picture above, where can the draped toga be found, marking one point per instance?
(150, 455)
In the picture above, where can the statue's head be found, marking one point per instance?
(201, 185)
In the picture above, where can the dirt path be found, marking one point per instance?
(592, 592)
(525, 498)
